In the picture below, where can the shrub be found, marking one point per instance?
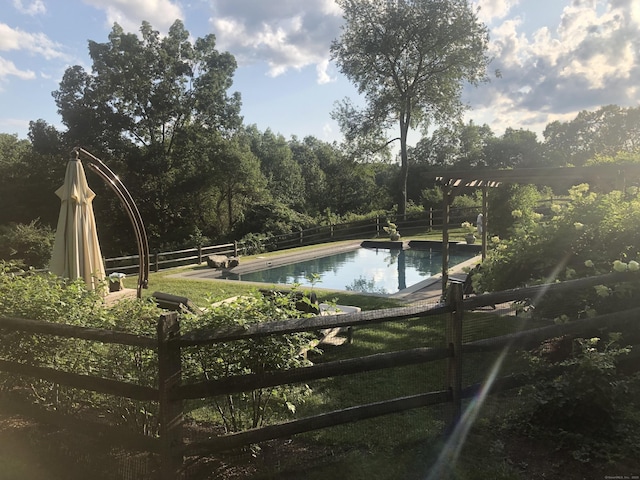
(432, 198)
(583, 238)
(30, 245)
(273, 219)
(254, 243)
(582, 405)
(505, 200)
(275, 352)
(46, 297)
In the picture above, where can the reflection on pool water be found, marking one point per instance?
(366, 270)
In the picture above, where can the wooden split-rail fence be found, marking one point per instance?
(170, 392)
(368, 228)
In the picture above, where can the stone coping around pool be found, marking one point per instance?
(281, 258)
(459, 246)
(420, 245)
(431, 284)
(435, 282)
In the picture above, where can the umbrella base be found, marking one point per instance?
(114, 297)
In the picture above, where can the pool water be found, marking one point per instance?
(366, 270)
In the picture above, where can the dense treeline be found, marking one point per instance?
(160, 112)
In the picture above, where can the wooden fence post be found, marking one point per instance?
(430, 218)
(235, 248)
(199, 254)
(447, 199)
(171, 409)
(454, 342)
(157, 262)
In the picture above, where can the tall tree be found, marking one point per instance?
(409, 59)
(239, 183)
(147, 103)
(312, 154)
(515, 149)
(30, 173)
(13, 170)
(606, 131)
(283, 174)
(458, 145)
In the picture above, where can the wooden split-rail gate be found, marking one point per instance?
(171, 393)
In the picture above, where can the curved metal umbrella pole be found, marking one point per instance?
(112, 180)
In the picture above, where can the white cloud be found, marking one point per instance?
(285, 34)
(323, 74)
(130, 14)
(36, 43)
(589, 58)
(494, 9)
(330, 7)
(8, 68)
(35, 7)
(328, 133)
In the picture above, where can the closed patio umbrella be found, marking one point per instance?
(76, 251)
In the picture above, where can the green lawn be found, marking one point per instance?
(396, 446)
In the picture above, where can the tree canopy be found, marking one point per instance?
(606, 131)
(157, 105)
(160, 112)
(409, 59)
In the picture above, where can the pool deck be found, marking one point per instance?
(426, 291)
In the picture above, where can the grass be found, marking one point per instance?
(401, 445)
(408, 444)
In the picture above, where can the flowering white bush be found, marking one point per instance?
(619, 266)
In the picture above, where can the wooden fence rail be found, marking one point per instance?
(258, 330)
(170, 392)
(330, 419)
(379, 361)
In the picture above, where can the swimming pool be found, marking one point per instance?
(365, 270)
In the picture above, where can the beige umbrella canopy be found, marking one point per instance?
(76, 251)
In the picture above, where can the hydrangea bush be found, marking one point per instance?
(593, 233)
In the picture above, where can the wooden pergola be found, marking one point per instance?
(605, 176)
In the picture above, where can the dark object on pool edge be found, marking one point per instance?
(222, 261)
(175, 302)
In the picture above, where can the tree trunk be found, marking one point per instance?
(230, 207)
(404, 163)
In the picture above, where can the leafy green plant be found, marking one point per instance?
(254, 243)
(581, 400)
(468, 228)
(46, 297)
(584, 237)
(507, 199)
(30, 244)
(252, 408)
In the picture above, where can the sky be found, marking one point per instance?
(555, 57)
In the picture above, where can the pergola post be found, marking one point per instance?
(485, 220)
(447, 199)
